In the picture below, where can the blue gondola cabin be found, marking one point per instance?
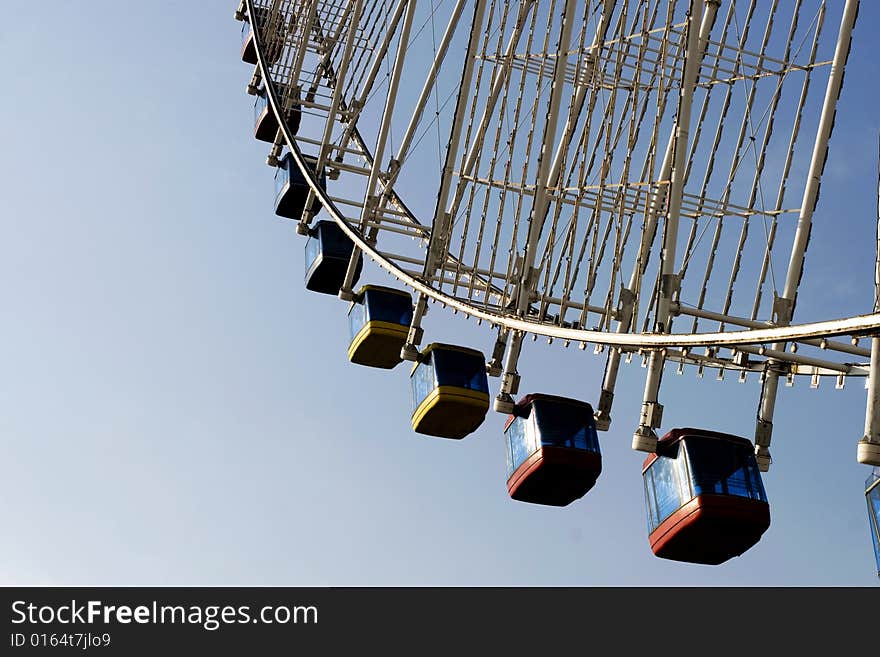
(553, 453)
(328, 251)
(379, 320)
(266, 123)
(292, 190)
(704, 496)
(450, 391)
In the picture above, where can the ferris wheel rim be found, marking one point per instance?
(866, 324)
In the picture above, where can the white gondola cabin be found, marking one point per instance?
(266, 123)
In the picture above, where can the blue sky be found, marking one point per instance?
(175, 408)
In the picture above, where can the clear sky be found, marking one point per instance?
(175, 408)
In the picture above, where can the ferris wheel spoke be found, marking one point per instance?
(784, 306)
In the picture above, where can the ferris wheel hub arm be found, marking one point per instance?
(783, 306)
(699, 23)
(869, 446)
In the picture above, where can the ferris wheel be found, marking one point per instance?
(636, 176)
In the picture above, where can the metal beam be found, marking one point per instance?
(869, 446)
(785, 305)
(628, 294)
(540, 203)
(645, 438)
(358, 103)
(369, 206)
(430, 81)
(440, 223)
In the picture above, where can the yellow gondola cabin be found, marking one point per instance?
(450, 391)
(379, 320)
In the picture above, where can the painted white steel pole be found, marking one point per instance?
(784, 306)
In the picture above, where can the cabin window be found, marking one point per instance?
(334, 241)
(662, 490)
(282, 175)
(723, 468)
(520, 443)
(312, 249)
(461, 370)
(872, 486)
(357, 317)
(565, 425)
(423, 382)
(261, 103)
(392, 308)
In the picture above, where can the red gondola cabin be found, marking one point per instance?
(265, 122)
(248, 45)
(704, 495)
(553, 453)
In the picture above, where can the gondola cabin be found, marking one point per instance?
(328, 251)
(248, 43)
(872, 494)
(553, 453)
(266, 123)
(704, 496)
(292, 190)
(379, 320)
(450, 391)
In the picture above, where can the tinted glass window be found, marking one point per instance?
(456, 368)
(357, 317)
(293, 172)
(662, 490)
(565, 425)
(724, 468)
(650, 507)
(312, 252)
(259, 105)
(282, 175)
(388, 307)
(289, 170)
(521, 442)
(685, 489)
(334, 242)
(873, 497)
(422, 382)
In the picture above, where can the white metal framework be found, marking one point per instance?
(639, 175)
